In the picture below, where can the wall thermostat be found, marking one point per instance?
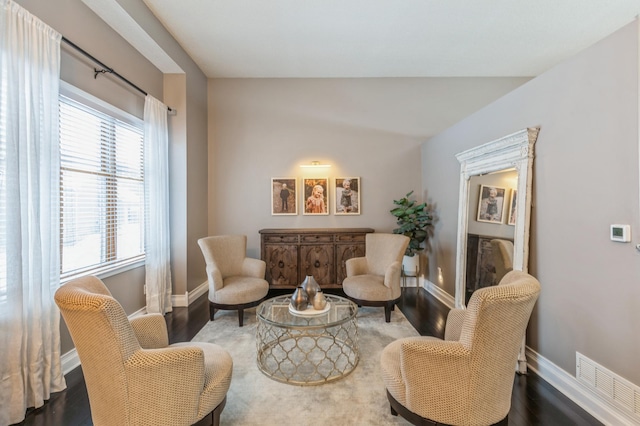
(621, 233)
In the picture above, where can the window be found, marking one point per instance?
(101, 188)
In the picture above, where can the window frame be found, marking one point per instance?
(79, 95)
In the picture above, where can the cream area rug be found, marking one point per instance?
(357, 399)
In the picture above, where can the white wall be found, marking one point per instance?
(586, 177)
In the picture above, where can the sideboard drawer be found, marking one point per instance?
(318, 238)
(349, 238)
(281, 239)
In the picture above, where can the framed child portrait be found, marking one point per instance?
(491, 204)
(315, 196)
(283, 196)
(347, 195)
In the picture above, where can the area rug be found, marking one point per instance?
(357, 399)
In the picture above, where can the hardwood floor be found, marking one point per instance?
(534, 401)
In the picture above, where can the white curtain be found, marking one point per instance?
(156, 188)
(30, 367)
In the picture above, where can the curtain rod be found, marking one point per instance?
(105, 68)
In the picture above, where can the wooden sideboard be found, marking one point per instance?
(292, 254)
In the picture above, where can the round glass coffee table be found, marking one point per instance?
(307, 348)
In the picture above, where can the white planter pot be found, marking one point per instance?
(411, 265)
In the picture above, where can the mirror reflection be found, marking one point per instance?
(490, 228)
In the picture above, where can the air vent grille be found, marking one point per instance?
(616, 389)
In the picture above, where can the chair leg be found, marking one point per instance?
(212, 312)
(393, 412)
(241, 317)
(387, 312)
(215, 414)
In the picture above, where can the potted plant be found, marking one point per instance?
(413, 220)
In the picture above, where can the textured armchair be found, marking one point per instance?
(236, 282)
(133, 376)
(502, 252)
(466, 379)
(374, 280)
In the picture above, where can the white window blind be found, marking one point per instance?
(102, 190)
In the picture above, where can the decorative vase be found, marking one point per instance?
(319, 301)
(311, 286)
(299, 299)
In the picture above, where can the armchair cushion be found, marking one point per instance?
(369, 287)
(238, 290)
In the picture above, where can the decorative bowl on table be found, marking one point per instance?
(310, 311)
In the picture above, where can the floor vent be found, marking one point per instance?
(616, 389)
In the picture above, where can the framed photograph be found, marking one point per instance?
(513, 207)
(315, 196)
(347, 193)
(284, 196)
(491, 204)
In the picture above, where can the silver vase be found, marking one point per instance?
(311, 286)
(299, 299)
(319, 301)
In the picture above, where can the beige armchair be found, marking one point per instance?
(466, 379)
(374, 280)
(236, 282)
(502, 251)
(133, 375)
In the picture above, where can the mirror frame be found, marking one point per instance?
(514, 151)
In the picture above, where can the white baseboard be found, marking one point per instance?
(184, 300)
(438, 293)
(198, 291)
(594, 404)
(70, 361)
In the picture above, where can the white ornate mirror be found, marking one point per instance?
(512, 152)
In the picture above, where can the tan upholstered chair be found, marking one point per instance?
(502, 251)
(466, 379)
(374, 280)
(133, 376)
(236, 282)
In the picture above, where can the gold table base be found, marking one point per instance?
(307, 351)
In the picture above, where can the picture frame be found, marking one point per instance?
(513, 208)
(491, 204)
(315, 193)
(284, 196)
(347, 195)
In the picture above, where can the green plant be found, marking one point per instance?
(413, 220)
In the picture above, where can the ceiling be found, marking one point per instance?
(387, 38)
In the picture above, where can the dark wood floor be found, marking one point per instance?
(534, 401)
